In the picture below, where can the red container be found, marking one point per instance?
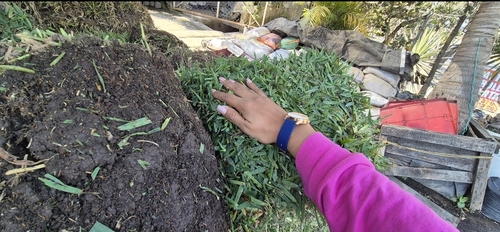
(454, 112)
(439, 115)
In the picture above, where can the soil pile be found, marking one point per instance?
(67, 114)
(86, 16)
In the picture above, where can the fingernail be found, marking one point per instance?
(221, 109)
(249, 81)
(213, 90)
(222, 79)
(231, 80)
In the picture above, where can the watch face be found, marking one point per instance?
(298, 116)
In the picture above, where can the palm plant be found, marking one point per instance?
(428, 46)
(336, 16)
(493, 64)
(494, 61)
(315, 16)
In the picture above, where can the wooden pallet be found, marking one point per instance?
(428, 157)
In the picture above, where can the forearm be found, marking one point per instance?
(354, 196)
(299, 135)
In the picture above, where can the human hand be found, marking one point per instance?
(251, 110)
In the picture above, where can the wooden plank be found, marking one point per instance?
(431, 174)
(422, 164)
(458, 163)
(494, 125)
(471, 133)
(434, 149)
(430, 146)
(398, 160)
(482, 132)
(445, 188)
(439, 211)
(480, 183)
(237, 25)
(463, 142)
(481, 179)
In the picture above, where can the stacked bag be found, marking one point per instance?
(267, 43)
(377, 84)
(258, 42)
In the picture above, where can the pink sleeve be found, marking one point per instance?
(354, 196)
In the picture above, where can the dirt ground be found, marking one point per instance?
(64, 114)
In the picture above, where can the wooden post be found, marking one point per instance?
(482, 169)
(218, 8)
(264, 17)
(480, 182)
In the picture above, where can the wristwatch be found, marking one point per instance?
(292, 119)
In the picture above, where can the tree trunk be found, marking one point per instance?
(462, 80)
(441, 53)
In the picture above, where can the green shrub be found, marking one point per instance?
(262, 184)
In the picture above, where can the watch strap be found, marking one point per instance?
(285, 133)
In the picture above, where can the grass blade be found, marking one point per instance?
(16, 68)
(144, 164)
(99, 75)
(202, 148)
(95, 172)
(165, 123)
(55, 183)
(54, 179)
(116, 119)
(144, 39)
(135, 124)
(157, 129)
(210, 191)
(19, 58)
(99, 227)
(57, 59)
(124, 142)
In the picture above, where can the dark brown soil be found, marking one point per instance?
(64, 114)
(87, 16)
